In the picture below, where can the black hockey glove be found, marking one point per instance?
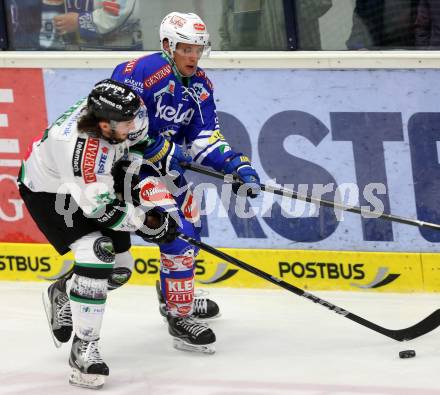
(159, 227)
(122, 176)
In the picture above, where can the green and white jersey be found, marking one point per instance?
(67, 161)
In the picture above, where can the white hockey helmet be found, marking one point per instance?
(179, 27)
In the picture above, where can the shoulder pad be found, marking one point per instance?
(200, 74)
(157, 74)
(147, 63)
(153, 69)
(144, 61)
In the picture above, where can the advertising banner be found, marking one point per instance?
(362, 137)
(316, 270)
(22, 118)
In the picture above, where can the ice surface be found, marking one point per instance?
(269, 342)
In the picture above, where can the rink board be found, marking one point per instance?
(314, 270)
(303, 129)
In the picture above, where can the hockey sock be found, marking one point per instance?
(177, 283)
(87, 301)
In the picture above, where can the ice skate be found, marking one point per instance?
(58, 313)
(190, 335)
(203, 308)
(88, 368)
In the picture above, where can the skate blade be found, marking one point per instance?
(205, 319)
(182, 345)
(84, 380)
(48, 310)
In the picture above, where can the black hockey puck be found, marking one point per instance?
(407, 354)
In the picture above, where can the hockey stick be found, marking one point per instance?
(426, 325)
(321, 202)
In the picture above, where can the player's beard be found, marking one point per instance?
(114, 139)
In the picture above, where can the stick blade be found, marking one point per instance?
(423, 327)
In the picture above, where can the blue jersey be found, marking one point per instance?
(181, 109)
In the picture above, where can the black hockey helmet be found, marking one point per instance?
(113, 101)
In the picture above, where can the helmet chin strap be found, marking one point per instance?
(170, 56)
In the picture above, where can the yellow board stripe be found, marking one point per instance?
(306, 269)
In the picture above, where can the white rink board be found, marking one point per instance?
(271, 343)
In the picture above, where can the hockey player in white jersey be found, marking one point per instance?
(67, 186)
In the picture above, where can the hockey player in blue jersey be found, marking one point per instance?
(184, 125)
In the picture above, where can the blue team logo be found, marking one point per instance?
(201, 91)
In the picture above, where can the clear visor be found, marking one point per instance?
(194, 51)
(134, 127)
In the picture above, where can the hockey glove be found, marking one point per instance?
(159, 228)
(165, 157)
(240, 166)
(120, 177)
(126, 180)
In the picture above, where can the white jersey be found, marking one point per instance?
(67, 161)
